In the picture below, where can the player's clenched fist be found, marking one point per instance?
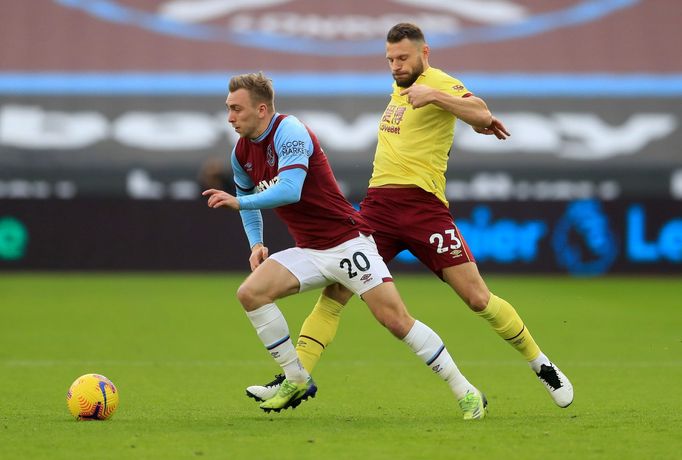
(258, 255)
(418, 95)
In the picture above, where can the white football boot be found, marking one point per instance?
(557, 384)
(264, 392)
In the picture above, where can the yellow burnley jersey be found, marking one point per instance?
(414, 144)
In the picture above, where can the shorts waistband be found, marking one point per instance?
(398, 191)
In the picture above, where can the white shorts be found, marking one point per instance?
(356, 264)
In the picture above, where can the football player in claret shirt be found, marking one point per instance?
(407, 207)
(278, 163)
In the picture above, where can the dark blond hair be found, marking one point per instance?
(405, 30)
(258, 85)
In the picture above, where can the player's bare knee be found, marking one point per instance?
(393, 326)
(243, 294)
(249, 296)
(478, 299)
(397, 322)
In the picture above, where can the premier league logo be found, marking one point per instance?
(583, 241)
(356, 28)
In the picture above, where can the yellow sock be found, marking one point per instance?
(508, 325)
(318, 331)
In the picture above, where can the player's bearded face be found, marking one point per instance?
(406, 80)
(406, 61)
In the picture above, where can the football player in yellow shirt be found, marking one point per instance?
(407, 207)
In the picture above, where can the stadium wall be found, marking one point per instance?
(582, 237)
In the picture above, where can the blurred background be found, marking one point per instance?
(112, 121)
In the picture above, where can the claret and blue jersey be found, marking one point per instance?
(286, 169)
(286, 163)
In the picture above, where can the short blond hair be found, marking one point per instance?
(258, 85)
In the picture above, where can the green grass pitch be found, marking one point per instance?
(181, 351)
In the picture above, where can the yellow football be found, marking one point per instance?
(92, 397)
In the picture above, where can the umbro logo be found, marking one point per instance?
(366, 278)
(456, 253)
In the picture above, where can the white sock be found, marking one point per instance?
(273, 331)
(430, 348)
(539, 361)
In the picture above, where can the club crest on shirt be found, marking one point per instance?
(270, 156)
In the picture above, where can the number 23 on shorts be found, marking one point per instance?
(447, 242)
